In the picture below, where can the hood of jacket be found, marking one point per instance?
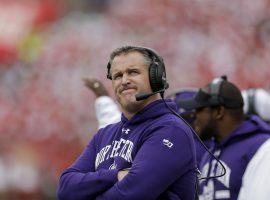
(252, 125)
(151, 111)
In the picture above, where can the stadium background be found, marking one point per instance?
(47, 46)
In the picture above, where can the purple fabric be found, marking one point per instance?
(157, 147)
(200, 150)
(183, 95)
(188, 115)
(234, 152)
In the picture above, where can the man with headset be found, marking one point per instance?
(242, 145)
(150, 153)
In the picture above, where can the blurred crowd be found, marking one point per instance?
(46, 47)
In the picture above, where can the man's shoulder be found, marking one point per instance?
(170, 124)
(170, 120)
(252, 140)
(258, 137)
(109, 129)
(252, 143)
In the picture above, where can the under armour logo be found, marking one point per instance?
(113, 166)
(167, 143)
(126, 131)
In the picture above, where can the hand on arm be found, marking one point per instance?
(96, 86)
(121, 174)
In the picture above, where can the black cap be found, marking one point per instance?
(218, 92)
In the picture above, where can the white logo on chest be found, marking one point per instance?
(167, 143)
(126, 131)
(119, 148)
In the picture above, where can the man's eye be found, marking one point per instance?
(116, 76)
(133, 72)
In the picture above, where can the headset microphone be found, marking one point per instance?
(142, 96)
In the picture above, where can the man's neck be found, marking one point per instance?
(226, 128)
(130, 114)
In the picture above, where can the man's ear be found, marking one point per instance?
(219, 112)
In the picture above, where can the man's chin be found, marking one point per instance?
(129, 102)
(131, 106)
(128, 97)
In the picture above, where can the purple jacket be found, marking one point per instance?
(157, 147)
(234, 152)
(200, 150)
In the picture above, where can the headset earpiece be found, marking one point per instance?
(157, 72)
(157, 77)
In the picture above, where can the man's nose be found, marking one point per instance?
(125, 79)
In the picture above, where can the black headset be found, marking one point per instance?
(251, 101)
(217, 98)
(215, 87)
(157, 72)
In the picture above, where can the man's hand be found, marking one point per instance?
(96, 86)
(122, 174)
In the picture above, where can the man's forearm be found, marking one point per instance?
(77, 185)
